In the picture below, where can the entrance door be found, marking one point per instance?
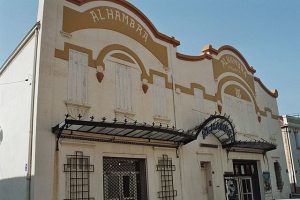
(206, 181)
(124, 179)
(246, 191)
(239, 188)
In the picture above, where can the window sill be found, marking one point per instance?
(125, 113)
(161, 119)
(71, 103)
(76, 109)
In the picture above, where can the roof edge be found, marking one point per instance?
(273, 93)
(190, 58)
(19, 47)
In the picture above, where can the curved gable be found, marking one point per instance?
(111, 17)
(238, 65)
(136, 11)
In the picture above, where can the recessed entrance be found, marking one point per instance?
(243, 184)
(124, 179)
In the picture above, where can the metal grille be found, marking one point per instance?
(123, 179)
(166, 169)
(78, 170)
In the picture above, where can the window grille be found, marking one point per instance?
(78, 170)
(278, 176)
(166, 168)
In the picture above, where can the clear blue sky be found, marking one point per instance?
(266, 32)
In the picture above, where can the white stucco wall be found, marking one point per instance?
(15, 108)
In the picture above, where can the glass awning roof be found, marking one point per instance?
(222, 127)
(124, 132)
(255, 146)
(158, 135)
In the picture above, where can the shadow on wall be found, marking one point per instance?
(13, 188)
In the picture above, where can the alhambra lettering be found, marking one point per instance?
(99, 15)
(234, 65)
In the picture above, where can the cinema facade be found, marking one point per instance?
(110, 110)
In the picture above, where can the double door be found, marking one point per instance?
(239, 188)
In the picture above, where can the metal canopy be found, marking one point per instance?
(122, 132)
(258, 146)
(222, 127)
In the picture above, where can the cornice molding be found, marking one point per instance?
(272, 93)
(184, 57)
(209, 49)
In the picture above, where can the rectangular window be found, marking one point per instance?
(297, 139)
(250, 127)
(278, 176)
(77, 77)
(123, 88)
(198, 108)
(160, 101)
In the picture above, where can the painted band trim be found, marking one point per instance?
(64, 54)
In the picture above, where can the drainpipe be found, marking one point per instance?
(33, 92)
(173, 95)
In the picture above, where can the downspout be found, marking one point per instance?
(180, 149)
(33, 92)
(173, 95)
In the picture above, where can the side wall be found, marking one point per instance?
(15, 108)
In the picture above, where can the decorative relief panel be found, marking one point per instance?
(229, 63)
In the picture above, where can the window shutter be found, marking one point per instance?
(77, 77)
(160, 101)
(123, 88)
